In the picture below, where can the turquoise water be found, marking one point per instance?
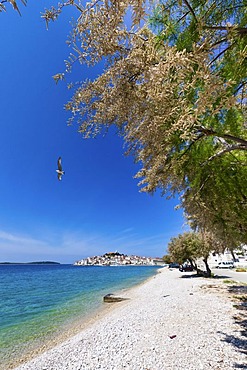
(37, 302)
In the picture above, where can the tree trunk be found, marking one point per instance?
(208, 271)
(193, 263)
(233, 255)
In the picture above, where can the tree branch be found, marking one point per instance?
(241, 30)
(191, 9)
(13, 3)
(185, 15)
(219, 55)
(192, 143)
(211, 132)
(233, 7)
(219, 42)
(240, 87)
(225, 150)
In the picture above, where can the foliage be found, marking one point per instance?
(221, 207)
(173, 88)
(177, 97)
(184, 247)
(230, 281)
(167, 258)
(14, 4)
(192, 246)
(241, 269)
(216, 196)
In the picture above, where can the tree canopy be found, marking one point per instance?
(191, 246)
(174, 84)
(184, 247)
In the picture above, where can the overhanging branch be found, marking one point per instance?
(211, 132)
(190, 9)
(226, 150)
(240, 30)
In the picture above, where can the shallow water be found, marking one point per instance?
(37, 302)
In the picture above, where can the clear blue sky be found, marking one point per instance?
(97, 207)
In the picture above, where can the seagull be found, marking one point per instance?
(59, 170)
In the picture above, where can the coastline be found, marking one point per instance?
(167, 323)
(72, 329)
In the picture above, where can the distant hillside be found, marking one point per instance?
(119, 259)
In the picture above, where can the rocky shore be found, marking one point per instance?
(172, 321)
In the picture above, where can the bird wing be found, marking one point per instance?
(59, 164)
(59, 176)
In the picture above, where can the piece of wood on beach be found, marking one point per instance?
(110, 298)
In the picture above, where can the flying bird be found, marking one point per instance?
(59, 170)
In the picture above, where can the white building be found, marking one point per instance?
(214, 258)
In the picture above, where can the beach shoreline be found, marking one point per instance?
(168, 322)
(71, 330)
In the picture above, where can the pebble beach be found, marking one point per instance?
(172, 321)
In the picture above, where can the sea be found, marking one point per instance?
(40, 302)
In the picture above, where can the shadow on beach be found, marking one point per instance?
(238, 294)
(220, 277)
(195, 275)
(189, 276)
(200, 275)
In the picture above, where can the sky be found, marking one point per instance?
(97, 207)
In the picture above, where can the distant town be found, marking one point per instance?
(119, 259)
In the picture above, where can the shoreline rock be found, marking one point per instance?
(111, 298)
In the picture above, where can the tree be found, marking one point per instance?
(13, 3)
(216, 197)
(208, 243)
(194, 245)
(175, 92)
(184, 247)
(167, 258)
(177, 97)
(221, 207)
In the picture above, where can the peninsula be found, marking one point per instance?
(119, 259)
